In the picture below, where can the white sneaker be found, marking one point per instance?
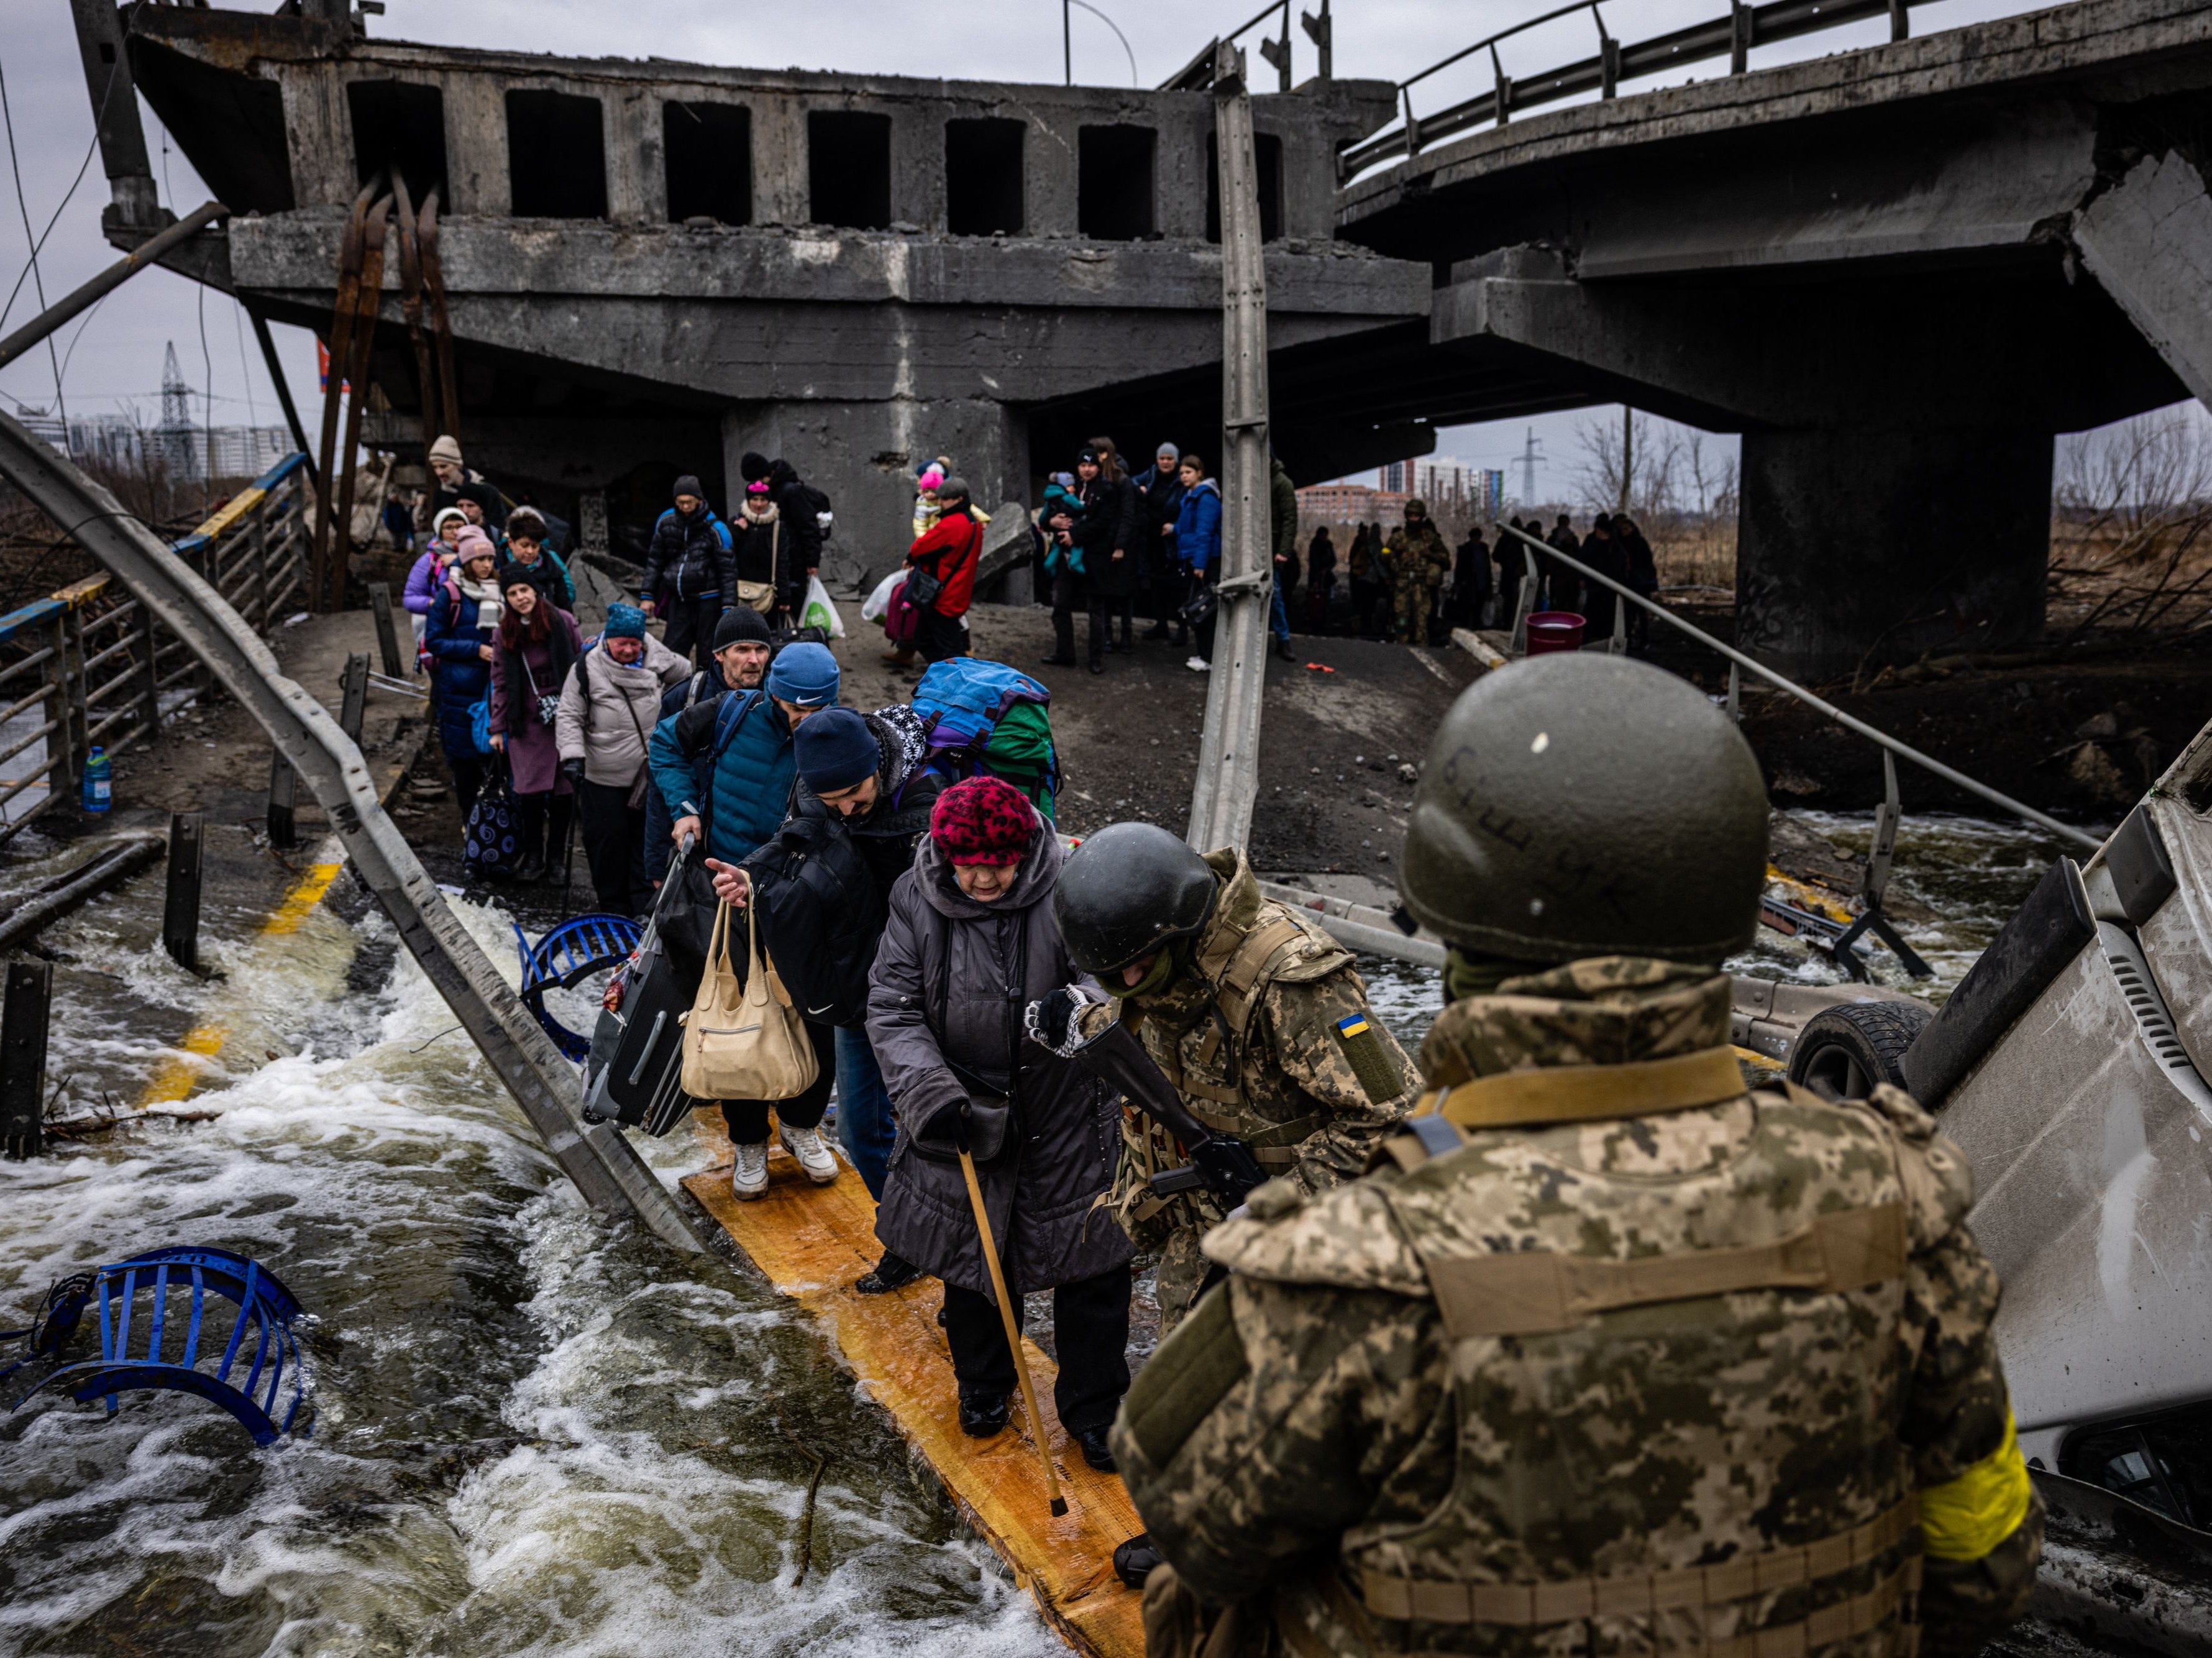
(748, 1174)
(816, 1160)
(1199, 665)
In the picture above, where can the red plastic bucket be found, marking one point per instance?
(1555, 630)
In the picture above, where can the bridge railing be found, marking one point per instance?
(88, 666)
(1732, 35)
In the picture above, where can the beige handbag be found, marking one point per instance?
(743, 1042)
(761, 595)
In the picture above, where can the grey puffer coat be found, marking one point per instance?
(951, 979)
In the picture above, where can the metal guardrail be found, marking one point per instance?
(1532, 549)
(89, 665)
(1731, 36)
(606, 1168)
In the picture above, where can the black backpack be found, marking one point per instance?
(820, 914)
(818, 504)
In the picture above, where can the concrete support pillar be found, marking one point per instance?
(2149, 241)
(1875, 544)
(862, 456)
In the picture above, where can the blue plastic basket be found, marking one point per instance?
(565, 957)
(135, 1295)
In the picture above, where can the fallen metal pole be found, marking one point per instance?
(108, 281)
(1228, 775)
(606, 1168)
(73, 891)
(1850, 722)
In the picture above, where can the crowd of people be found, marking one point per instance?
(1409, 585)
(709, 766)
(563, 727)
(1115, 545)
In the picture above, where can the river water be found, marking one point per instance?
(536, 1431)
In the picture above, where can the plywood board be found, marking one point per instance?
(812, 1241)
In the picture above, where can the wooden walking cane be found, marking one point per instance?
(1013, 1332)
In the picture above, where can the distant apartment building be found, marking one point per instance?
(1350, 503)
(118, 441)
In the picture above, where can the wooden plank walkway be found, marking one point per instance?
(812, 1241)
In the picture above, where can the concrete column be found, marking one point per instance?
(781, 193)
(637, 180)
(476, 146)
(1049, 165)
(318, 136)
(1875, 544)
(863, 455)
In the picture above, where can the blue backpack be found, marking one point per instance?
(963, 702)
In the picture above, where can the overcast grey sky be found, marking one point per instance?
(114, 362)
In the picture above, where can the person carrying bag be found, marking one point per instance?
(742, 1039)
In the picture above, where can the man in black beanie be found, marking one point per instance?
(690, 571)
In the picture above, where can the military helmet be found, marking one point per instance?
(1126, 891)
(1579, 805)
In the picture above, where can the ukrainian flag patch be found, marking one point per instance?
(1372, 1064)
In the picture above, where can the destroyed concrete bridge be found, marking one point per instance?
(1896, 271)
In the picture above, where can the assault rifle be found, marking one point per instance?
(1221, 1163)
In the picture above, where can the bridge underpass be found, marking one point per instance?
(1872, 266)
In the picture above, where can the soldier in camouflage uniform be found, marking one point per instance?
(1419, 564)
(1609, 1353)
(1255, 1015)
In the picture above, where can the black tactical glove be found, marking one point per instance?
(572, 770)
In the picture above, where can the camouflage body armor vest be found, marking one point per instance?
(1200, 1035)
(1677, 1396)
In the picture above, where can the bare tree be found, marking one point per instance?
(2132, 531)
(1648, 459)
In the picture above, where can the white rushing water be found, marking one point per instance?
(537, 1432)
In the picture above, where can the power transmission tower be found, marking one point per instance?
(179, 452)
(1531, 458)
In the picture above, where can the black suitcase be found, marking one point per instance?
(631, 1075)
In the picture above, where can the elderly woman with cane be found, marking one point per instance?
(970, 942)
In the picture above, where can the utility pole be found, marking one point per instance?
(1068, 42)
(1627, 453)
(1228, 777)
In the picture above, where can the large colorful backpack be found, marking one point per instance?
(986, 717)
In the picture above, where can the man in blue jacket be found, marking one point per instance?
(1197, 547)
(693, 558)
(742, 649)
(726, 769)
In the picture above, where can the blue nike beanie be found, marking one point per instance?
(835, 750)
(805, 674)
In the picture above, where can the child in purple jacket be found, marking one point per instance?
(429, 571)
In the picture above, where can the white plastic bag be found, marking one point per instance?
(819, 612)
(873, 607)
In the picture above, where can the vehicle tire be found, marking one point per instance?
(1845, 1050)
